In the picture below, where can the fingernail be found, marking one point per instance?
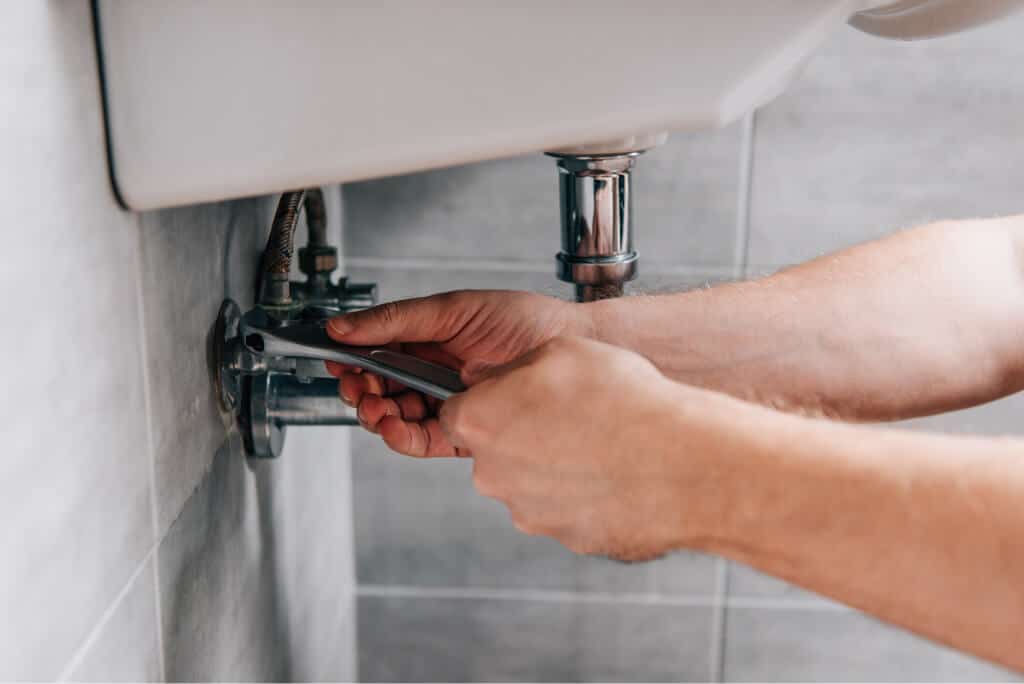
(363, 422)
(340, 325)
(347, 399)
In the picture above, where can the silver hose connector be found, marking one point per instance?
(597, 254)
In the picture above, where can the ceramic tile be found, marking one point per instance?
(193, 258)
(256, 572)
(221, 602)
(74, 480)
(832, 645)
(421, 523)
(127, 648)
(684, 200)
(878, 135)
(474, 640)
(746, 582)
(398, 281)
(314, 550)
(997, 418)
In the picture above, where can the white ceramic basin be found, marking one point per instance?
(224, 98)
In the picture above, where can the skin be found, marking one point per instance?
(710, 420)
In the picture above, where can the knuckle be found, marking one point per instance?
(457, 418)
(389, 313)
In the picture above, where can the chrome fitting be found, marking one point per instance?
(597, 254)
(264, 393)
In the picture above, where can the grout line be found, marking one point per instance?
(338, 210)
(352, 572)
(515, 266)
(159, 613)
(94, 634)
(741, 255)
(462, 264)
(150, 448)
(152, 554)
(557, 596)
(785, 604)
(718, 620)
(536, 595)
(741, 265)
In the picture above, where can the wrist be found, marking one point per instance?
(721, 451)
(602, 320)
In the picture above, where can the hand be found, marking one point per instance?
(583, 442)
(468, 330)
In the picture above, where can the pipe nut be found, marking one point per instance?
(609, 270)
(318, 259)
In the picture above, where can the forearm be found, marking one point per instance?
(921, 531)
(921, 322)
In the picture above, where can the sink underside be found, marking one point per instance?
(212, 100)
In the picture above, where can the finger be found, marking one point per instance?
(407, 406)
(354, 386)
(350, 388)
(419, 440)
(337, 369)
(424, 319)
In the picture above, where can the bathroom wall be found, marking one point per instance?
(872, 137)
(136, 543)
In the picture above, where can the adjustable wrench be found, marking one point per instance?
(309, 340)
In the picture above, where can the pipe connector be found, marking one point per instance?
(598, 254)
(594, 187)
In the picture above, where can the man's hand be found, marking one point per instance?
(471, 331)
(578, 439)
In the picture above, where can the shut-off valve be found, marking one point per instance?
(268, 363)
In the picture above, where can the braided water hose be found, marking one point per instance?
(277, 257)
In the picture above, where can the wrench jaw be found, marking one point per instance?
(307, 340)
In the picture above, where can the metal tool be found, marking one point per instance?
(309, 340)
(267, 366)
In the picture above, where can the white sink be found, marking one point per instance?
(224, 98)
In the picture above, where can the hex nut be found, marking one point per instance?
(318, 260)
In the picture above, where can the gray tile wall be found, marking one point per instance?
(874, 136)
(136, 542)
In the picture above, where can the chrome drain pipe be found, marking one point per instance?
(597, 254)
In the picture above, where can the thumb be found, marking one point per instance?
(424, 319)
